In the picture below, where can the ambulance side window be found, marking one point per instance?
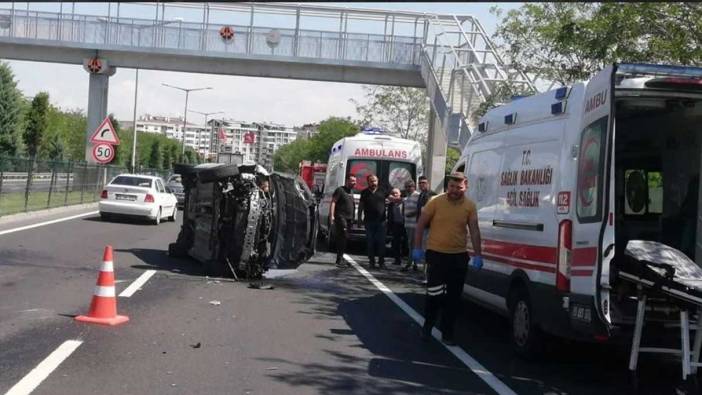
(591, 171)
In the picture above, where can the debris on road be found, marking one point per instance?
(260, 286)
(215, 302)
(197, 345)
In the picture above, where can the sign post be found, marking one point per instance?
(104, 139)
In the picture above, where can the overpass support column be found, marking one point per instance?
(436, 154)
(97, 106)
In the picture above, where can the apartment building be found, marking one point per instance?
(196, 136)
(256, 141)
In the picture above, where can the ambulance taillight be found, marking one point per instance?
(565, 255)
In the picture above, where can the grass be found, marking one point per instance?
(13, 202)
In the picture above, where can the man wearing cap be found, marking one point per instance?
(449, 215)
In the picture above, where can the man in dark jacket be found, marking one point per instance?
(341, 214)
(371, 213)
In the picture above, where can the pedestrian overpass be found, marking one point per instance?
(450, 56)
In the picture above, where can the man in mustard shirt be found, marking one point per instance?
(448, 216)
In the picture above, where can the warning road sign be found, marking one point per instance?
(103, 153)
(105, 133)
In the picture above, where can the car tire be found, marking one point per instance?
(174, 216)
(216, 173)
(157, 220)
(183, 169)
(526, 336)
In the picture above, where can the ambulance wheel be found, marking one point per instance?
(527, 339)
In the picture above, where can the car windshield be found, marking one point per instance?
(132, 181)
(174, 179)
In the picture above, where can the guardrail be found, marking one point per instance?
(29, 186)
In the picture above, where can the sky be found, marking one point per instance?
(290, 102)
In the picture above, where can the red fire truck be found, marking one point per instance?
(313, 174)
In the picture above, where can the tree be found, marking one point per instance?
(316, 149)
(452, 156)
(401, 111)
(56, 148)
(167, 159)
(156, 156)
(10, 107)
(566, 42)
(36, 124)
(330, 131)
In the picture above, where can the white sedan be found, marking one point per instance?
(138, 196)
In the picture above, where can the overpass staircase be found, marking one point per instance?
(462, 69)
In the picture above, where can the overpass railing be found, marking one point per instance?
(112, 32)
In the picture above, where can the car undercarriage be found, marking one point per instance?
(240, 221)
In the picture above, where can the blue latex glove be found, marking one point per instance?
(477, 262)
(417, 254)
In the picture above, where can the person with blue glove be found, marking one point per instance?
(448, 216)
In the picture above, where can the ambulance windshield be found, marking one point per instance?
(391, 174)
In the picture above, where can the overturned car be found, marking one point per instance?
(240, 220)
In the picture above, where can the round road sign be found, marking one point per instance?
(103, 153)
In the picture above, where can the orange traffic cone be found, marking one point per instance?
(103, 308)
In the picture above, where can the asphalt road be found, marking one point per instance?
(321, 330)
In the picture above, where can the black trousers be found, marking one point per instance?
(445, 276)
(341, 233)
(399, 241)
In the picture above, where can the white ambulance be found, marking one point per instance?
(394, 160)
(564, 179)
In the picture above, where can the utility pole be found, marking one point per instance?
(134, 141)
(185, 112)
(206, 114)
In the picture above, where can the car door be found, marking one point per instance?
(162, 196)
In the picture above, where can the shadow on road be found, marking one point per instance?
(159, 260)
(408, 366)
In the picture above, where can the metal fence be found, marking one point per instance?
(30, 186)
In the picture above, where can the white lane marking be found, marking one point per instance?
(32, 380)
(472, 364)
(131, 289)
(53, 221)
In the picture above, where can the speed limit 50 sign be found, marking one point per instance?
(103, 153)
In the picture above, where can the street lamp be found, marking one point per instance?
(185, 112)
(206, 114)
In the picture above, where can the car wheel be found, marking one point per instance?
(527, 339)
(157, 220)
(174, 216)
(216, 173)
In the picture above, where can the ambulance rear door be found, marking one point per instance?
(593, 226)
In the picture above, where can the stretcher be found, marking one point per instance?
(665, 279)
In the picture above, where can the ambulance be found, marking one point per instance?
(564, 179)
(394, 160)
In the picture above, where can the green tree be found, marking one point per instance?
(401, 111)
(566, 42)
(36, 124)
(287, 158)
(452, 156)
(156, 156)
(167, 160)
(56, 148)
(10, 111)
(330, 131)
